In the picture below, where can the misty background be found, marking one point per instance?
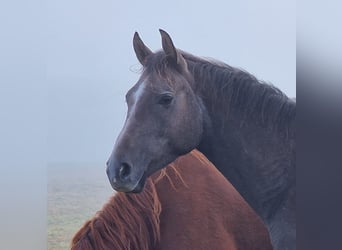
(66, 65)
(91, 63)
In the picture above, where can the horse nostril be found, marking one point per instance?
(125, 170)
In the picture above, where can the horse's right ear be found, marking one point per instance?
(141, 50)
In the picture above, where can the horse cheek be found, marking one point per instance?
(186, 129)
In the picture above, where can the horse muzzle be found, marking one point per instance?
(123, 179)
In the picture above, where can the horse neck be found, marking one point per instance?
(251, 154)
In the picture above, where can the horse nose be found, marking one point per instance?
(118, 174)
(124, 171)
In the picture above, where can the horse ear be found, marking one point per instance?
(171, 51)
(141, 50)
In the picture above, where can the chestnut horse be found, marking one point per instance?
(188, 205)
(244, 126)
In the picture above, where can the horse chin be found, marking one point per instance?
(140, 185)
(131, 187)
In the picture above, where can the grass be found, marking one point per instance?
(75, 193)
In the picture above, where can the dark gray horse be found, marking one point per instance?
(244, 126)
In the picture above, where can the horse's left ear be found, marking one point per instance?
(171, 51)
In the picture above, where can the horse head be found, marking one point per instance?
(164, 118)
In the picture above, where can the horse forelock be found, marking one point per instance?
(161, 67)
(127, 221)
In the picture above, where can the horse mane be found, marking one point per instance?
(128, 221)
(237, 90)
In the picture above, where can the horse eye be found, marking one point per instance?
(165, 99)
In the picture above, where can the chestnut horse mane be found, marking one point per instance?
(128, 221)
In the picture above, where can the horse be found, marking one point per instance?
(244, 126)
(187, 205)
